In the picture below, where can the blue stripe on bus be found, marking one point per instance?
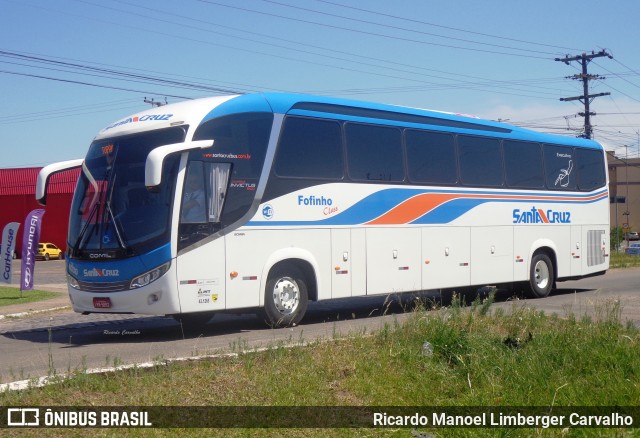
(383, 201)
(119, 270)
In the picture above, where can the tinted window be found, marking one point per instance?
(559, 166)
(310, 148)
(480, 161)
(591, 173)
(374, 153)
(114, 175)
(431, 157)
(241, 140)
(523, 164)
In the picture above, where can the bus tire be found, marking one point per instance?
(541, 276)
(286, 298)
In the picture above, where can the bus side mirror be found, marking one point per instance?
(155, 160)
(42, 184)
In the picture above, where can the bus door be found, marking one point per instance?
(201, 257)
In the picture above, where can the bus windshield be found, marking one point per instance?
(112, 211)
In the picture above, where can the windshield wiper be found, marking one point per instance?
(115, 227)
(83, 232)
(108, 218)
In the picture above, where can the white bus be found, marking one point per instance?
(270, 201)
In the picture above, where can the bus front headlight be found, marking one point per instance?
(71, 281)
(150, 276)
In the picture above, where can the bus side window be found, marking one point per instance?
(194, 198)
(590, 164)
(217, 175)
(431, 157)
(523, 164)
(204, 195)
(310, 148)
(559, 163)
(480, 161)
(374, 153)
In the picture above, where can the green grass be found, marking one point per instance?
(11, 295)
(570, 361)
(622, 260)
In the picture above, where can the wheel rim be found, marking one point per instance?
(286, 295)
(541, 271)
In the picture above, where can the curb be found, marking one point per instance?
(39, 382)
(32, 312)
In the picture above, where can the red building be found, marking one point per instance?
(17, 199)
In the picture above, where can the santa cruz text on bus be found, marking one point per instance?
(539, 216)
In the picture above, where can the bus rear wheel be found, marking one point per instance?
(541, 276)
(286, 298)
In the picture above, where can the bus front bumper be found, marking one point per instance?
(157, 298)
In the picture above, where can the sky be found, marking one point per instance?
(68, 68)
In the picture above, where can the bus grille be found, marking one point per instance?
(116, 286)
(595, 255)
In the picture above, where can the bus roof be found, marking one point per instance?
(198, 111)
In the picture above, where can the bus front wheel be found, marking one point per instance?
(286, 297)
(541, 276)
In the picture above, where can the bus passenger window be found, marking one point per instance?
(480, 161)
(559, 164)
(523, 164)
(590, 163)
(374, 153)
(431, 157)
(310, 148)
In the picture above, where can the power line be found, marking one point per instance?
(135, 77)
(363, 32)
(420, 32)
(69, 111)
(472, 85)
(87, 84)
(349, 59)
(426, 23)
(616, 90)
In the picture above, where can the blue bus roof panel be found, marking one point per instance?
(245, 103)
(286, 103)
(371, 112)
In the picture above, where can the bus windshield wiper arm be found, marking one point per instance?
(121, 242)
(85, 228)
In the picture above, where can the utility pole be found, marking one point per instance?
(586, 98)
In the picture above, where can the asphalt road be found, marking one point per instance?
(33, 346)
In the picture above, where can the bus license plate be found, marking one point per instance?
(102, 303)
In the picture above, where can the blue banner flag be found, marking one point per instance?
(30, 239)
